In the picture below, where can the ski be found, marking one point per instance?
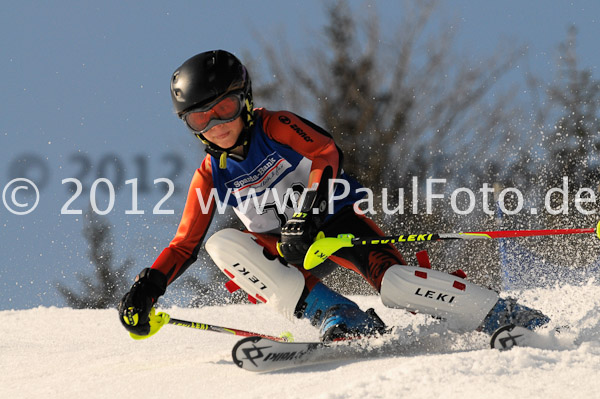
(509, 336)
(262, 354)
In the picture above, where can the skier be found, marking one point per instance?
(261, 157)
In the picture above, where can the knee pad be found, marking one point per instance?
(463, 304)
(270, 281)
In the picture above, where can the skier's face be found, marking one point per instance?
(226, 134)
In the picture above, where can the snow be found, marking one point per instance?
(66, 353)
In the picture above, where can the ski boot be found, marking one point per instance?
(509, 312)
(347, 321)
(338, 317)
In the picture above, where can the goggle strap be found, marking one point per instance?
(249, 118)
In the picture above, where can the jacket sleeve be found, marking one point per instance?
(307, 139)
(196, 218)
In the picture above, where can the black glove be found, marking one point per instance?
(300, 231)
(135, 306)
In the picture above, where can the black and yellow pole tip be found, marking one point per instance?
(598, 230)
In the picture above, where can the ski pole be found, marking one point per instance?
(324, 247)
(157, 320)
(225, 330)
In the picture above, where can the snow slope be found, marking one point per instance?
(65, 353)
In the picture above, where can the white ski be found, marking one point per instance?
(262, 354)
(509, 336)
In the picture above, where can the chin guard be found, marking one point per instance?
(223, 153)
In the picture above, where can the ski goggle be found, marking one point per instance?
(223, 110)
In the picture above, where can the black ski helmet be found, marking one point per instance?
(207, 76)
(203, 79)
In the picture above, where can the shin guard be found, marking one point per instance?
(267, 279)
(463, 304)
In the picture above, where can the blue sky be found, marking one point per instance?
(86, 84)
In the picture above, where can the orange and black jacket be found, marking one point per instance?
(286, 154)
